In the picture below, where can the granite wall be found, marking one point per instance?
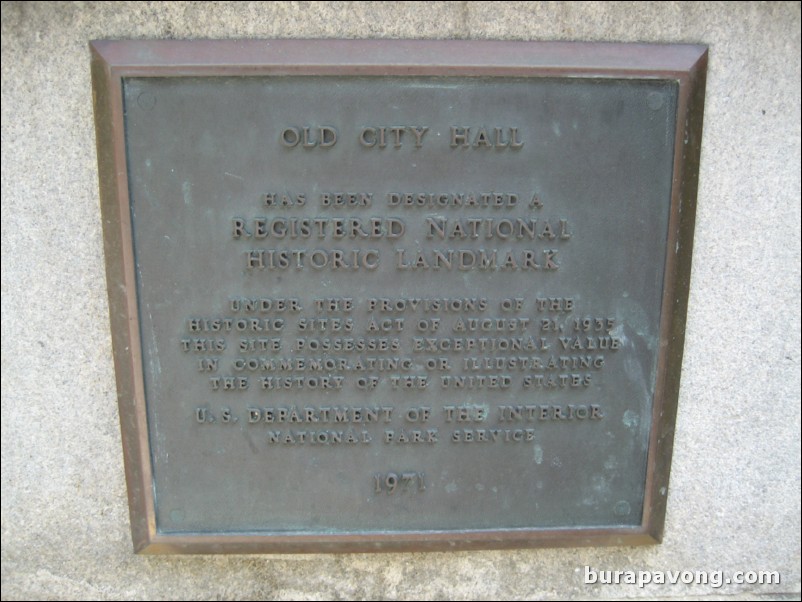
(734, 500)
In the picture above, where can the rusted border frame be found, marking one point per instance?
(114, 60)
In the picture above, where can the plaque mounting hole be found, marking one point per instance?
(622, 508)
(654, 100)
(146, 101)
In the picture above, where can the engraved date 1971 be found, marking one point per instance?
(399, 482)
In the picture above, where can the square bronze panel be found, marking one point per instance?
(389, 295)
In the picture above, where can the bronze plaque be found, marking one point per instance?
(374, 295)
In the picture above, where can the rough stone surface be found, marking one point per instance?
(734, 502)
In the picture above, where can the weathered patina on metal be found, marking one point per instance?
(391, 295)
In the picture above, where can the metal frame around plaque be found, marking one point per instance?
(114, 63)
